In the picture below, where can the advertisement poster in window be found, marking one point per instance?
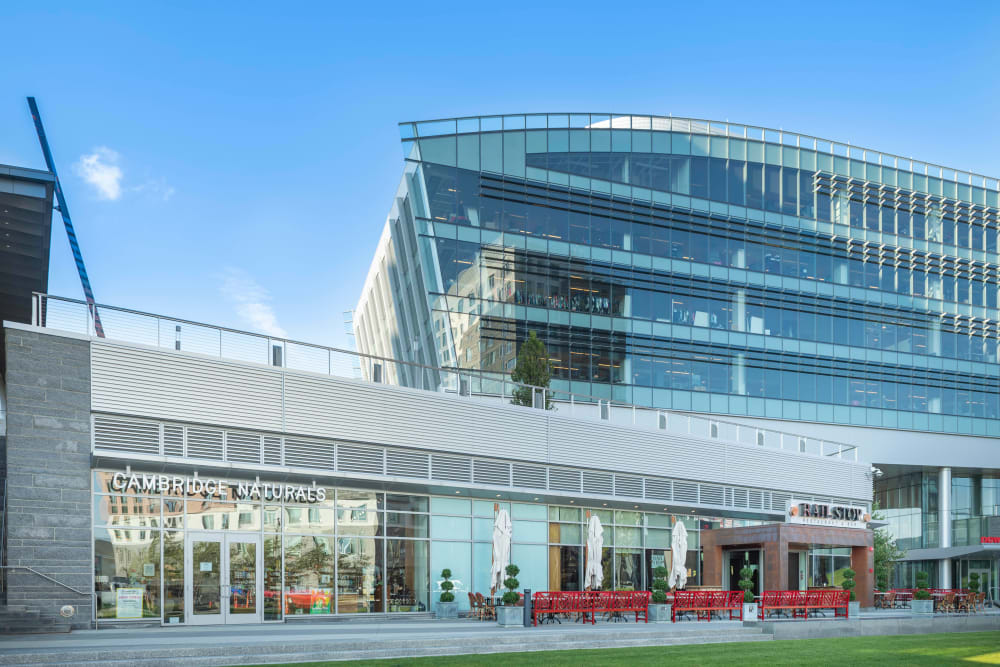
(128, 602)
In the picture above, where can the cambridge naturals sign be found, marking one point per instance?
(218, 489)
(826, 514)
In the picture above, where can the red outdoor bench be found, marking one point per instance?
(705, 603)
(800, 603)
(590, 603)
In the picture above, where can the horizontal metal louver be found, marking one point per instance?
(659, 489)
(173, 440)
(272, 450)
(407, 464)
(309, 453)
(740, 498)
(561, 479)
(242, 447)
(597, 483)
(756, 500)
(204, 443)
(126, 436)
(711, 494)
(451, 468)
(729, 497)
(779, 501)
(356, 458)
(685, 492)
(491, 472)
(530, 477)
(628, 486)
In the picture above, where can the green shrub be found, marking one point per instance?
(848, 583)
(922, 592)
(511, 583)
(660, 585)
(973, 584)
(746, 583)
(446, 586)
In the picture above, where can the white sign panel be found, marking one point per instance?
(128, 602)
(813, 513)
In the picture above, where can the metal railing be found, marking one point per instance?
(134, 326)
(88, 594)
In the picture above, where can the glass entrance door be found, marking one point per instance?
(223, 578)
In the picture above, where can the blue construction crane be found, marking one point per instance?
(74, 245)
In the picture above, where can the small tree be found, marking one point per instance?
(886, 552)
(746, 583)
(660, 585)
(533, 368)
(973, 584)
(922, 592)
(511, 583)
(848, 583)
(446, 586)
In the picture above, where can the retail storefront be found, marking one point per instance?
(202, 550)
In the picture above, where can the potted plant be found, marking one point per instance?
(446, 607)
(922, 602)
(510, 615)
(746, 585)
(853, 606)
(659, 609)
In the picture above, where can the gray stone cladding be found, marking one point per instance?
(48, 473)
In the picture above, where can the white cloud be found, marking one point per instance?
(158, 189)
(252, 302)
(101, 170)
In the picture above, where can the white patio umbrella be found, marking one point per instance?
(594, 573)
(501, 550)
(678, 548)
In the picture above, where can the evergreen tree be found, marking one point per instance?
(533, 368)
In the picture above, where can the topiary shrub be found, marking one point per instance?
(848, 583)
(511, 583)
(922, 592)
(446, 586)
(973, 584)
(746, 584)
(660, 585)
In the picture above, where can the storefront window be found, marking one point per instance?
(173, 576)
(360, 570)
(272, 577)
(318, 520)
(127, 573)
(309, 565)
(222, 515)
(407, 575)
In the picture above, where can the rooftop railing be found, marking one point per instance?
(131, 326)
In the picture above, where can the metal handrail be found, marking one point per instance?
(45, 576)
(562, 398)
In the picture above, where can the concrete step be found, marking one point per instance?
(16, 620)
(280, 651)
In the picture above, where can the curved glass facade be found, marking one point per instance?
(699, 266)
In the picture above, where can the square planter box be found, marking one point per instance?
(853, 609)
(659, 613)
(509, 617)
(750, 611)
(922, 607)
(446, 609)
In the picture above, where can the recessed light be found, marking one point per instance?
(458, 492)
(498, 495)
(536, 498)
(605, 504)
(571, 502)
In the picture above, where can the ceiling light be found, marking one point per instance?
(458, 492)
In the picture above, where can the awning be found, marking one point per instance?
(976, 550)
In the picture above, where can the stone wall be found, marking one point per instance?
(48, 472)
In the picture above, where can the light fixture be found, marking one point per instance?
(458, 492)
(571, 502)
(536, 498)
(498, 495)
(605, 504)
(636, 506)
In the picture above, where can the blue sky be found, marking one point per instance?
(234, 163)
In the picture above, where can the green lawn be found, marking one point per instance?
(940, 649)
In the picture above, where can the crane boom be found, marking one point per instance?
(74, 244)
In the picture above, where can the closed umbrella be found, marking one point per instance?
(501, 550)
(594, 573)
(678, 548)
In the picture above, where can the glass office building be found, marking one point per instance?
(706, 267)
